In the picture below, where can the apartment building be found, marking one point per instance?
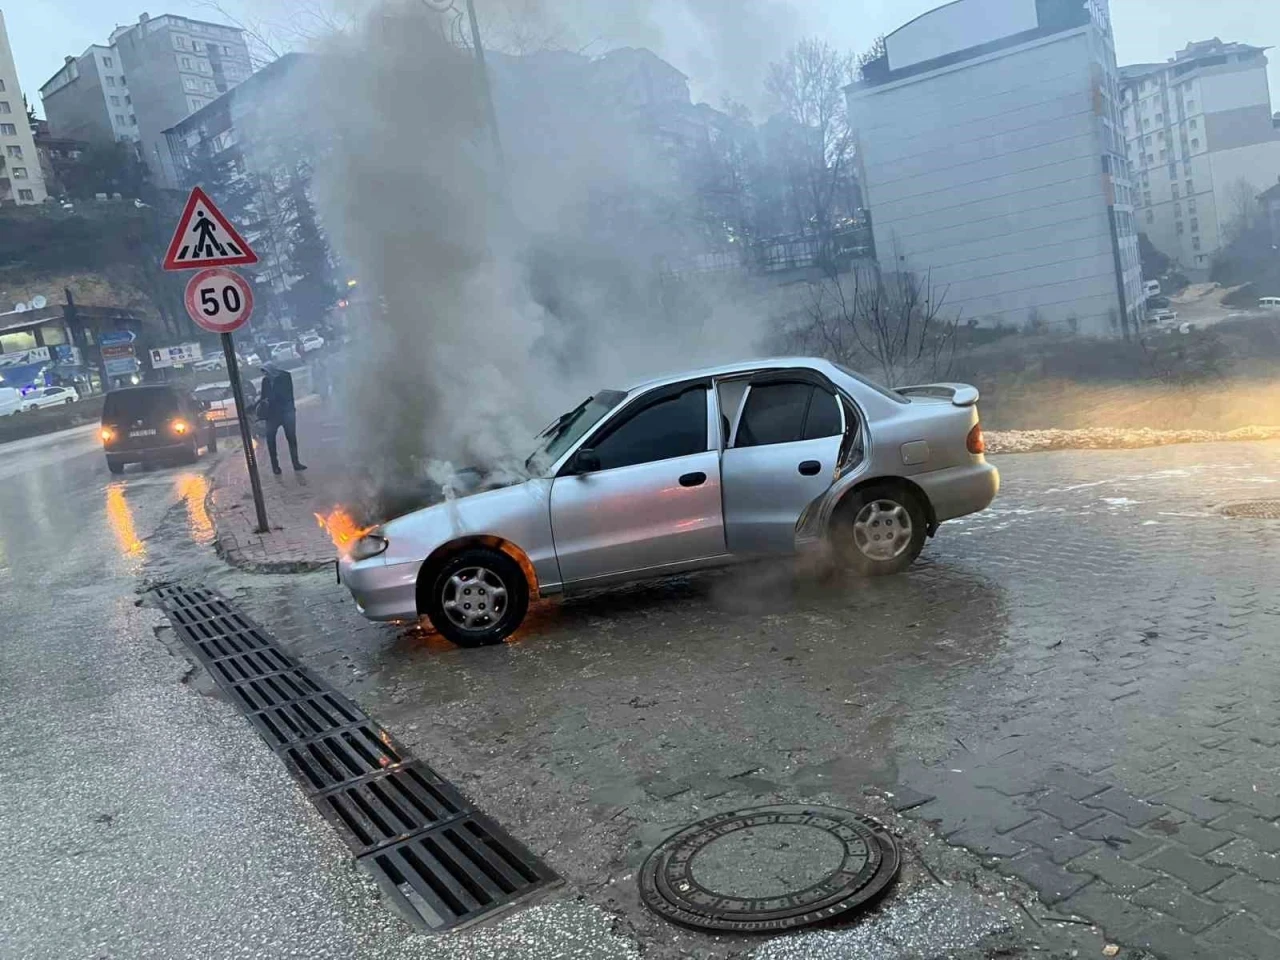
(20, 178)
(992, 161)
(88, 99)
(1201, 139)
(175, 66)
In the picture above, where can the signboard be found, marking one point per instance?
(219, 300)
(66, 353)
(175, 356)
(205, 238)
(120, 366)
(117, 351)
(115, 338)
(23, 357)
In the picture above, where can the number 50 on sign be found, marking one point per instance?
(219, 300)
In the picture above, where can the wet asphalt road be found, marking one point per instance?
(140, 818)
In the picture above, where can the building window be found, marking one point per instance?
(108, 62)
(1146, 141)
(1191, 105)
(1164, 155)
(119, 119)
(133, 121)
(26, 195)
(128, 101)
(1146, 124)
(1159, 118)
(1174, 188)
(1186, 168)
(1191, 204)
(1195, 144)
(4, 107)
(8, 130)
(1173, 171)
(115, 101)
(1191, 187)
(1151, 216)
(1177, 209)
(15, 152)
(1195, 243)
(19, 173)
(1178, 227)
(185, 63)
(111, 81)
(1194, 123)
(189, 83)
(1, 86)
(179, 41)
(1147, 197)
(197, 46)
(1150, 158)
(1195, 225)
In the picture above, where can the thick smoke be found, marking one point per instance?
(508, 293)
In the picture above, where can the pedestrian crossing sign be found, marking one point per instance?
(206, 238)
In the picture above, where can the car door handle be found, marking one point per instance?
(693, 479)
(810, 468)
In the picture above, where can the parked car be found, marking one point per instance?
(210, 363)
(284, 351)
(1163, 316)
(10, 402)
(49, 397)
(311, 341)
(251, 360)
(154, 423)
(220, 402)
(697, 470)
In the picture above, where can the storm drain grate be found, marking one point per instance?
(1253, 510)
(441, 861)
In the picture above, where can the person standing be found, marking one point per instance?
(275, 406)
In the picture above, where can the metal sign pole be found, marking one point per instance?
(246, 434)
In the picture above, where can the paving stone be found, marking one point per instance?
(1202, 808)
(1119, 874)
(1126, 806)
(1261, 899)
(904, 798)
(1074, 785)
(1262, 832)
(1195, 872)
(1248, 856)
(1116, 914)
(987, 842)
(1244, 939)
(1054, 839)
(1188, 911)
(1066, 811)
(1166, 939)
(1117, 835)
(1050, 881)
(1199, 840)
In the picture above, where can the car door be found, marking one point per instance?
(653, 501)
(783, 455)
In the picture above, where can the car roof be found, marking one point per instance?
(744, 366)
(216, 385)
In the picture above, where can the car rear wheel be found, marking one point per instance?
(477, 598)
(879, 530)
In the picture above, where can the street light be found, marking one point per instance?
(491, 114)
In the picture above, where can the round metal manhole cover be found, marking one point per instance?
(1253, 510)
(768, 869)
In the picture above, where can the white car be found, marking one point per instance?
(222, 402)
(49, 397)
(10, 402)
(284, 351)
(312, 341)
(251, 360)
(210, 363)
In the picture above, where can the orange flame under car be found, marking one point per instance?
(341, 527)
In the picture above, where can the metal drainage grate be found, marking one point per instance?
(769, 869)
(441, 861)
(1253, 510)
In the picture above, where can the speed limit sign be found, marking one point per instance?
(219, 300)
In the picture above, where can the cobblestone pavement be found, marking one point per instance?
(295, 541)
(1078, 686)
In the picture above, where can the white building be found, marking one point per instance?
(89, 100)
(1200, 136)
(20, 178)
(991, 160)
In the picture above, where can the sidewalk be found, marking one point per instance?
(296, 542)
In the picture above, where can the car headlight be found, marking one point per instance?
(369, 546)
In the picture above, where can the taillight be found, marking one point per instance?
(975, 443)
(107, 434)
(180, 427)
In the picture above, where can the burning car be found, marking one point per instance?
(693, 471)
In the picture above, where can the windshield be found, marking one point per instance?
(569, 429)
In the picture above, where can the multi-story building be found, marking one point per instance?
(1202, 142)
(20, 178)
(175, 66)
(88, 99)
(992, 162)
(1269, 202)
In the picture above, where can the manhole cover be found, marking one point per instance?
(768, 869)
(1254, 510)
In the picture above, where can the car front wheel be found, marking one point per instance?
(477, 598)
(879, 530)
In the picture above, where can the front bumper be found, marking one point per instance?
(959, 491)
(382, 591)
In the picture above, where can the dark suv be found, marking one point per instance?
(147, 424)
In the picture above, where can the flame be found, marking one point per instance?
(341, 527)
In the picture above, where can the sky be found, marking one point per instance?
(43, 32)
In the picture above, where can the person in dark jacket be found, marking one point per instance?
(275, 406)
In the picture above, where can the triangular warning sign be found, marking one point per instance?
(205, 238)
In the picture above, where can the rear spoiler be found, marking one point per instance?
(960, 394)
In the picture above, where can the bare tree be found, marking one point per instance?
(807, 86)
(301, 24)
(894, 325)
(870, 56)
(1242, 210)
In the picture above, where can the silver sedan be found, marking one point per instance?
(692, 471)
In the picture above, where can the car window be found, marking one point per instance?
(774, 413)
(676, 427)
(139, 403)
(824, 416)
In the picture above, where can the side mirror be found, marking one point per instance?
(585, 461)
